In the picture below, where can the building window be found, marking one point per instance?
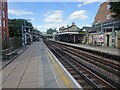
(4, 32)
(4, 24)
(3, 4)
(108, 6)
(0, 22)
(3, 14)
(108, 16)
(0, 31)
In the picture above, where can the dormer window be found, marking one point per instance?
(108, 6)
(108, 16)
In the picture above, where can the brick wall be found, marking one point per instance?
(102, 13)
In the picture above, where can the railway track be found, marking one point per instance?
(106, 64)
(95, 79)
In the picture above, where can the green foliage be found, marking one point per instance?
(36, 30)
(115, 7)
(51, 31)
(15, 26)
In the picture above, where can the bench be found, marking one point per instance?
(8, 52)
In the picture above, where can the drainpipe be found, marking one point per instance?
(74, 38)
(113, 37)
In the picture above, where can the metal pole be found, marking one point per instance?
(104, 37)
(25, 37)
(113, 37)
(101, 28)
(74, 38)
(24, 33)
(101, 32)
(23, 44)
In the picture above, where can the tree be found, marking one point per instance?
(36, 30)
(51, 31)
(115, 8)
(15, 27)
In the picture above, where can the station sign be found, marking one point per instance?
(82, 32)
(101, 38)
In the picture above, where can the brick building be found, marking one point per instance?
(103, 13)
(105, 29)
(4, 19)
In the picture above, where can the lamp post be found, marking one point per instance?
(23, 38)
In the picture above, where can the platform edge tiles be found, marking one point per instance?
(110, 51)
(56, 63)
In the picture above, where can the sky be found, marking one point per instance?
(45, 15)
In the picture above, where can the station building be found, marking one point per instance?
(36, 35)
(105, 30)
(85, 31)
(28, 36)
(70, 34)
(4, 19)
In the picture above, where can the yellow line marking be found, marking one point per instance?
(64, 78)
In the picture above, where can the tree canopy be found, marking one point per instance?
(36, 30)
(115, 7)
(51, 31)
(15, 26)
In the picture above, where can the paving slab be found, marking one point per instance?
(11, 84)
(29, 85)
(30, 77)
(33, 69)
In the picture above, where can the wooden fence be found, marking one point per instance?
(15, 42)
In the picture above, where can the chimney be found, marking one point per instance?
(67, 26)
(62, 27)
(73, 23)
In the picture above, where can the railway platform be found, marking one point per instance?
(108, 50)
(36, 67)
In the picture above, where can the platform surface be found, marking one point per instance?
(113, 51)
(35, 69)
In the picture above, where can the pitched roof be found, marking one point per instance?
(85, 27)
(70, 28)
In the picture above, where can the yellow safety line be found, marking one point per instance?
(60, 71)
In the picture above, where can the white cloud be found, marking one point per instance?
(19, 12)
(46, 26)
(79, 5)
(79, 15)
(84, 2)
(54, 16)
(32, 19)
(91, 1)
(85, 25)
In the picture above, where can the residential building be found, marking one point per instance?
(4, 19)
(85, 31)
(103, 13)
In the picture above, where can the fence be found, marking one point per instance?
(15, 42)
